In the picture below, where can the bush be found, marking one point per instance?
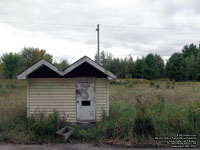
(152, 84)
(168, 85)
(143, 123)
(194, 118)
(45, 126)
(157, 86)
(128, 76)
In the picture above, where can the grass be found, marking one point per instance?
(139, 111)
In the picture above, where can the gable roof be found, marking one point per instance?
(43, 62)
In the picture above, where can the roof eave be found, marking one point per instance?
(92, 63)
(23, 75)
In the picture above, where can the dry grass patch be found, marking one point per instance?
(139, 111)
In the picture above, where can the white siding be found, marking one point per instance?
(52, 94)
(101, 98)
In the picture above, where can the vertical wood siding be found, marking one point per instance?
(52, 94)
(101, 98)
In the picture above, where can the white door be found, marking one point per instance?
(86, 99)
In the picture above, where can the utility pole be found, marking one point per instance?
(98, 57)
(199, 45)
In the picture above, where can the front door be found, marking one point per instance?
(86, 99)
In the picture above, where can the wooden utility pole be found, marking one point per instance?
(199, 45)
(98, 57)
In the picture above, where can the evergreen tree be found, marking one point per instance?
(190, 50)
(139, 68)
(154, 67)
(198, 67)
(176, 67)
(191, 67)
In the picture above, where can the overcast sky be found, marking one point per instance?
(66, 28)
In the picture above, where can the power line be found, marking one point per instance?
(86, 25)
(142, 28)
(103, 27)
(44, 23)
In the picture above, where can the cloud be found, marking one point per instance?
(67, 28)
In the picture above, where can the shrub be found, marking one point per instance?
(194, 118)
(128, 76)
(152, 84)
(143, 123)
(157, 86)
(45, 126)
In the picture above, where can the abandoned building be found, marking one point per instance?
(79, 93)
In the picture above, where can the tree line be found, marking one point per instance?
(11, 64)
(181, 66)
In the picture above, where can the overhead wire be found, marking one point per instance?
(181, 29)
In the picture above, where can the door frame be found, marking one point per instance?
(76, 84)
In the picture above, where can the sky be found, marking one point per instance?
(66, 29)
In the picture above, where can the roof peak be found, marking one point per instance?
(77, 63)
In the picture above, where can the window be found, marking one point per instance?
(85, 103)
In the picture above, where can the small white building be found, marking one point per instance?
(79, 93)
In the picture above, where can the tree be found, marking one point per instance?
(139, 67)
(12, 64)
(31, 55)
(105, 59)
(62, 65)
(115, 67)
(154, 66)
(190, 50)
(192, 67)
(176, 67)
(198, 67)
(131, 66)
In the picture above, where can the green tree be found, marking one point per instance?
(154, 66)
(12, 64)
(139, 67)
(192, 67)
(62, 65)
(105, 59)
(177, 67)
(115, 67)
(190, 50)
(198, 67)
(31, 55)
(131, 66)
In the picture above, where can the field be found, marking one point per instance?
(139, 111)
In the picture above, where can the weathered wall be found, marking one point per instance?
(52, 94)
(47, 95)
(102, 97)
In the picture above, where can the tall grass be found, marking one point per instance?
(140, 123)
(14, 125)
(139, 111)
(142, 111)
(12, 110)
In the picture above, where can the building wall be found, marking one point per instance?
(52, 94)
(102, 98)
(46, 95)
